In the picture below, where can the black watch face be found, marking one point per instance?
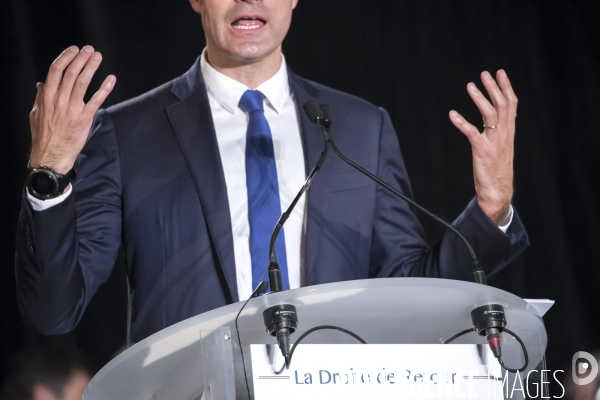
(43, 183)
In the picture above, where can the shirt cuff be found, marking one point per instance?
(507, 220)
(41, 205)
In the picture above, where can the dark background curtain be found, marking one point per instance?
(412, 57)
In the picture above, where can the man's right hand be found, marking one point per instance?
(60, 120)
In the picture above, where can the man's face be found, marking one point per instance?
(244, 31)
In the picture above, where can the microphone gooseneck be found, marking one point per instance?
(274, 272)
(281, 320)
(488, 320)
(323, 119)
(280, 330)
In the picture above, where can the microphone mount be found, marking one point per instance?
(281, 321)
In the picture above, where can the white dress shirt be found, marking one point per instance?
(230, 124)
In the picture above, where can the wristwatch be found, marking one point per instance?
(44, 183)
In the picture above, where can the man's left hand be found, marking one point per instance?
(493, 148)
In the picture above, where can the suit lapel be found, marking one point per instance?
(192, 122)
(312, 140)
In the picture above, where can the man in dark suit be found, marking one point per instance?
(185, 176)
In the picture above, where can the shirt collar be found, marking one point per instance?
(228, 92)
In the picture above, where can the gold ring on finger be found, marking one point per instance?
(490, 127)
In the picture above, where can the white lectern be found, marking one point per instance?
(199, 358)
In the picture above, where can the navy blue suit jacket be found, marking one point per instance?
(150, 179)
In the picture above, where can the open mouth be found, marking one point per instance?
(248, 23)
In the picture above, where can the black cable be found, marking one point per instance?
(241, 350)
(476, 264)
(458, 335)
(317, 328)
(477, 271)
(254, 293)
(514, 371)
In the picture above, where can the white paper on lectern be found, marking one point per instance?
(377, 371)
(541, 305)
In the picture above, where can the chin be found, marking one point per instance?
(251, 53)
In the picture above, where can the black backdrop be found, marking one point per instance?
(412, 57)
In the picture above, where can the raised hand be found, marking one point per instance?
(493, 148)
(60, 120)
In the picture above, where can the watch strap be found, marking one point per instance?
(65, 180)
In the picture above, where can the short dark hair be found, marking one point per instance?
(49, 365)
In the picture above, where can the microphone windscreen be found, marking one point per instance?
(327, 113)
(312, 109)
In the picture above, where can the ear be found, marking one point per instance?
(196, 5)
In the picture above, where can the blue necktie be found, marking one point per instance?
(264, 207)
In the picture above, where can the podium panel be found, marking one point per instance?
(378, 371)
(200, 358)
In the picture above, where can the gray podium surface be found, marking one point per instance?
(200, 357)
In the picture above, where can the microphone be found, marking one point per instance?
(327, 115)
(488, 320)
(282, 320)
(313, 111)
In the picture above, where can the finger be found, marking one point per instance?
(470, 131)
(37, 104)
(508, 92)
(72, 72)
(57, 68)
(98, 98)
(498, 99)
(487, 110)
(85, 77)
(40, 92)
(493, 90)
